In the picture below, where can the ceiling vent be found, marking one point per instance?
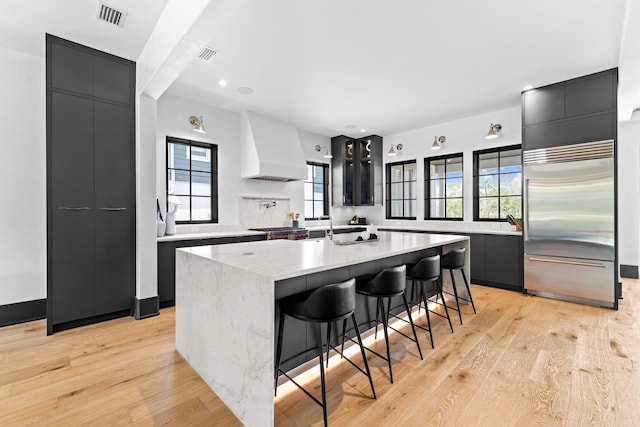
(206, 54)
(110, 15)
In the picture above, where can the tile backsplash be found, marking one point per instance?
(261, 212)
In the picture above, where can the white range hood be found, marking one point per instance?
(270, 149)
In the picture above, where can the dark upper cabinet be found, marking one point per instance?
(73, 70)
(356, 171)
(571, 112)
(543, 105)
(111, 80)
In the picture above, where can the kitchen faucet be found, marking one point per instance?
(330, 232)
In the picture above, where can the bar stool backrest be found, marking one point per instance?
(390, 280)
(454, 259)
(332, 301)
(427, 268)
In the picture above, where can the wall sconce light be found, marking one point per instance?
(493, 131)
(438, 141)
(327, 155)
(197, 123)
(392, 152)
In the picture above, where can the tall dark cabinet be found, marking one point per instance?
(90, 185)
(356, 171)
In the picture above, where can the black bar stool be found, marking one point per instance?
(388, 283)
(327, 304)
(427, 271)
(454, 260)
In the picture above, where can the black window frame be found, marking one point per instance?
(214, 177)
(427, 187)
(325, 191)
(476, 180)
(388, 189)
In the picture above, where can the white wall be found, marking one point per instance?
(223, 129)
(629, 192)
(23, 263)
(463, 136)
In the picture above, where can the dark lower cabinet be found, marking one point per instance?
(497, 260)
(90, 185)
(167, 262)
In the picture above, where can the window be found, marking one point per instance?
(316, 191)
(192, 178)
(497, 183)
(443, 187)
(402, 190)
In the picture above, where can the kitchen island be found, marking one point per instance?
(226, 303)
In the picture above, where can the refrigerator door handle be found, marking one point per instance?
(557, 261)
(525, 211)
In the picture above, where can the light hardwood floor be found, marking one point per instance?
(520, 361)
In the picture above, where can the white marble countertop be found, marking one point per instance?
(209, 235)
(458, 229)
(282, 259)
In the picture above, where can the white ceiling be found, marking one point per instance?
(380, 65)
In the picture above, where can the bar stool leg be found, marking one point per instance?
(364, 356)
(328, 341)
(446, 310)
(324, 391)
(344, 332)
(415, 336)
(278, 353)
(466, 283)
(426, 310)
(375, 336)
(455, 292)
(386, 337)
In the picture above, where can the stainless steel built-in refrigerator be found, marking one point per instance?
(569, 223)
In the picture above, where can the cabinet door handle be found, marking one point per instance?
(67, 208)
(113, 209)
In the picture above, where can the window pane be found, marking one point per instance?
(437, 208)
(436, 169)
(454, 167)
(410, 208)
(437, 187)
(410, 190)
(454, 208)
(510, 205)
(182, 212)
(308, 209)
(201, 208)
(318, 208)
(309, 173)
(410, 172)
(488, 208)
(488, 185)
(396, 173)
(510, 161)
(201, 184)
(488, 163)
(308, 191)
(200, 159)
(396, 191)
(454, 187)
(510, 184)
(178, 156)
(396, 208)
(178, 182)
(318, 190)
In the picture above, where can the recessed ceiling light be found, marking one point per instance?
(245, 90)
(223, 83)
(363, 130)
(527, 87)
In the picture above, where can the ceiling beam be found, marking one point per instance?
(179, 36)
